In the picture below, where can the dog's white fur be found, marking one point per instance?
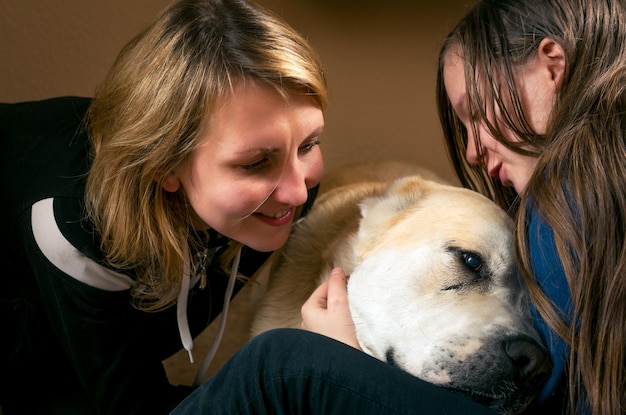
(433, 287)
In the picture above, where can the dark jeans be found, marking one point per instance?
(289, 371)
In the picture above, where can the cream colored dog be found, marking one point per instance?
(433, 287)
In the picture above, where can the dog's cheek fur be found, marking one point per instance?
(382, 298)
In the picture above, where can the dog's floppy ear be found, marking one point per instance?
(380, 212)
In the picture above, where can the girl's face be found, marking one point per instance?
(257, 159)
(537, 94)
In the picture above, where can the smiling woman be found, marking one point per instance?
(170, 187)
(260, 154)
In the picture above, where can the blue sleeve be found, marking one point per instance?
(550, 275)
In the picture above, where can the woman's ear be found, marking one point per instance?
(553, 56)
(169, 182)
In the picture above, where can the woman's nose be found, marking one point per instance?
(292, 188)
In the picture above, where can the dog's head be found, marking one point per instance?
(436, 292)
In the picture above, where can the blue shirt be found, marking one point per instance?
(548, 271)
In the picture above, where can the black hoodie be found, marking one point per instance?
(70, 334)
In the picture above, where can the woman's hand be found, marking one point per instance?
(327, 312)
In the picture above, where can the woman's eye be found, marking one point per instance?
(473, 262)
(309, 146)
(255, 165)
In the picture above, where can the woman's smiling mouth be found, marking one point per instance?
(276, 218)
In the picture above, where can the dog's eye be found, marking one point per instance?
(473, 262)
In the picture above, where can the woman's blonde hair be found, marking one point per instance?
(147, 116)
(579, 183)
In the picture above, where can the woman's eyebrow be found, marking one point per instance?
(269, 150)
(317, 132)
(258, 150)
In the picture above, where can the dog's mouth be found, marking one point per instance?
(507, 401)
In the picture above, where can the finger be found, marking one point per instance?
(338, 274)
(337, 289)
(317, 301)
(320, 295)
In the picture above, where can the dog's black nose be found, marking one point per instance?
(529, 359)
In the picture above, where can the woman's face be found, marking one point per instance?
(537, 95)
(257, 159)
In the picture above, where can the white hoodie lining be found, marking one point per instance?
(64, 256)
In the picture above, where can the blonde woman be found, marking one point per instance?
(130, 220)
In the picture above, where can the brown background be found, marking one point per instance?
(380, 58)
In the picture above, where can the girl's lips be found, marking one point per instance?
(498, 173)
(277, 218)
(494, 172)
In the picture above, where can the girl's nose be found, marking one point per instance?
(472, 153)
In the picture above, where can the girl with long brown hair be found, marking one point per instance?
(532, 98)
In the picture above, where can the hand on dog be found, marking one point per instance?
(327, 312)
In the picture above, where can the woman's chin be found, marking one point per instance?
(266, 244)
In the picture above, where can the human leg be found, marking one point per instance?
(288, 371)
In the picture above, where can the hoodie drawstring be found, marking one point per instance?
(181, 313)
(200, 375)
(183, 322)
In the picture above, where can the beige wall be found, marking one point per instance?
(380, 58)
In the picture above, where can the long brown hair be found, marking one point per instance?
(579, 184)
(148, 115)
